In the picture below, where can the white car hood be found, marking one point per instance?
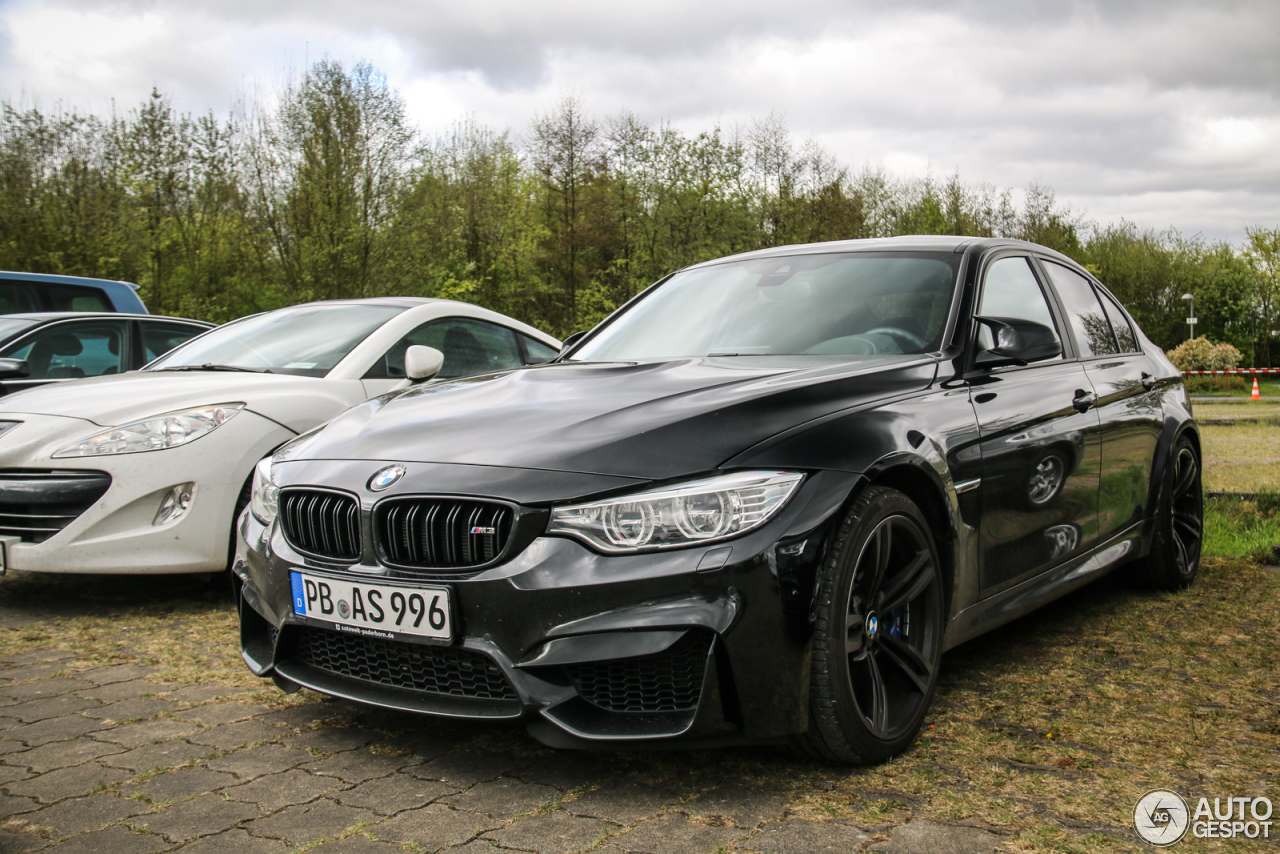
(298, 403)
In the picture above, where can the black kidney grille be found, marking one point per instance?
(667, 681)
(441, 533)
(320, 523)
(35, 504)
(431, 669)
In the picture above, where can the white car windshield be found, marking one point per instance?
(306, 340)
(856, 304)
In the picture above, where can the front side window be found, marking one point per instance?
(1011, 290)
(72, 350)
(469, 346)
(1092, 329)
(850, 305)
(306, 341)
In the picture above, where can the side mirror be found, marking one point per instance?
(1018, 341)
(14, 369)
(572, 339)
(422, 363)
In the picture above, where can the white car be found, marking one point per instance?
(145, 472)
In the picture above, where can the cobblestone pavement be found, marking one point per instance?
(110, 758)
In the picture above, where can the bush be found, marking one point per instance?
(1200, 354)
(1229, 382)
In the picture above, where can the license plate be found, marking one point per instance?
(376, 610)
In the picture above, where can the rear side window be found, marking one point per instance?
(159, 338)
(1011, 290)
(1090, 325)
(469, 346)
(537, 351)
(1119, 324)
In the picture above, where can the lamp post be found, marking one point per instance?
(1191, 319)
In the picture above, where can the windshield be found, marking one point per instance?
(307, 340)
(857, 304)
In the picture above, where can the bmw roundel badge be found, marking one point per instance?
(385, 477)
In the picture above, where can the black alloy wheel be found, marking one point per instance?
(878, 633)
(1179, 535)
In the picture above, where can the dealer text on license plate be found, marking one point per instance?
(378, 610)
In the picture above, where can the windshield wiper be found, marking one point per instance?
(209, 366)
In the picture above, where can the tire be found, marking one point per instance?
(877, 641)
(1179, 530)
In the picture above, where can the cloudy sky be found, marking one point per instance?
(1162, 112)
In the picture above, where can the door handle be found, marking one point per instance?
(1148, 381)
(1083, 400)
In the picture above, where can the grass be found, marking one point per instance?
(1241, 457)
(1046, 730)
(1242, 528)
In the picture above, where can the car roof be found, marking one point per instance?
(48, 316)
(55, 279)
(902, 243)
(398, 302)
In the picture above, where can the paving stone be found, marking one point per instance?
(204, 693)
(795, 836)
(38, 655)
(136, 708)
(275, 791)
(231, 736)
(503, 798)
(11, 805)
(254, 762)
(8, 746)
(673, 832)
(434, 826)
(566, 771)
(331, 739)
(63, 754)
(356, 845)
(300, 717)
(42, 688)
(114, 673)
(183, 783)
(113, 839)
(54, 729)
(81, 815)
(357, 766)
(216, 714)
(10, 773)
(13, 843)
(465, 768)
(390, 795)
(67, 782)
(742, 806)
(145, 732)
(926, 837)
(31, 711)
(555, 832)
(118, 691)
(152, 757)
(310, 822)
(235, 840)
(201, 817)
(476, 846)
(623, 803)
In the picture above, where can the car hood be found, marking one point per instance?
(298, 403)
(647, 420)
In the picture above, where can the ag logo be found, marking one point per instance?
(1161, 817)
(384, 477)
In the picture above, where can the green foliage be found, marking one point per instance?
(1200, 354)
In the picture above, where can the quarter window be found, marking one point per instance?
(469, 346)
(537, 351)
(1093, 333)
(1011, 290)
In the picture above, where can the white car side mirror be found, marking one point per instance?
(422, 363)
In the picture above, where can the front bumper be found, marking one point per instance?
(586, 648)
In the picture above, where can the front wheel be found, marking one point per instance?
(878, 634)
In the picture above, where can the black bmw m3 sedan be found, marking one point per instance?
(755, 504)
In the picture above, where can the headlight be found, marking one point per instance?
(702, 511)
(264, 501)
(154, 434)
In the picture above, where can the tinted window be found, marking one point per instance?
(72, 350)
(1092, 330)
(16, 297)
(1011, 290)
(537, 351)
(469, 347)
(1119, 324)
(159, 338)
(72, 298)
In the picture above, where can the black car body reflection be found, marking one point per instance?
(755, 504)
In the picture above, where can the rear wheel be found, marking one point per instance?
(1175, 548)
(878, 633)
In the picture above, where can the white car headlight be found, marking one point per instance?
(154, 434)
(264, 501)
(694, 513)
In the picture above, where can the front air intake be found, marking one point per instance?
(441, 533)
(35, 504)
(321, 523)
